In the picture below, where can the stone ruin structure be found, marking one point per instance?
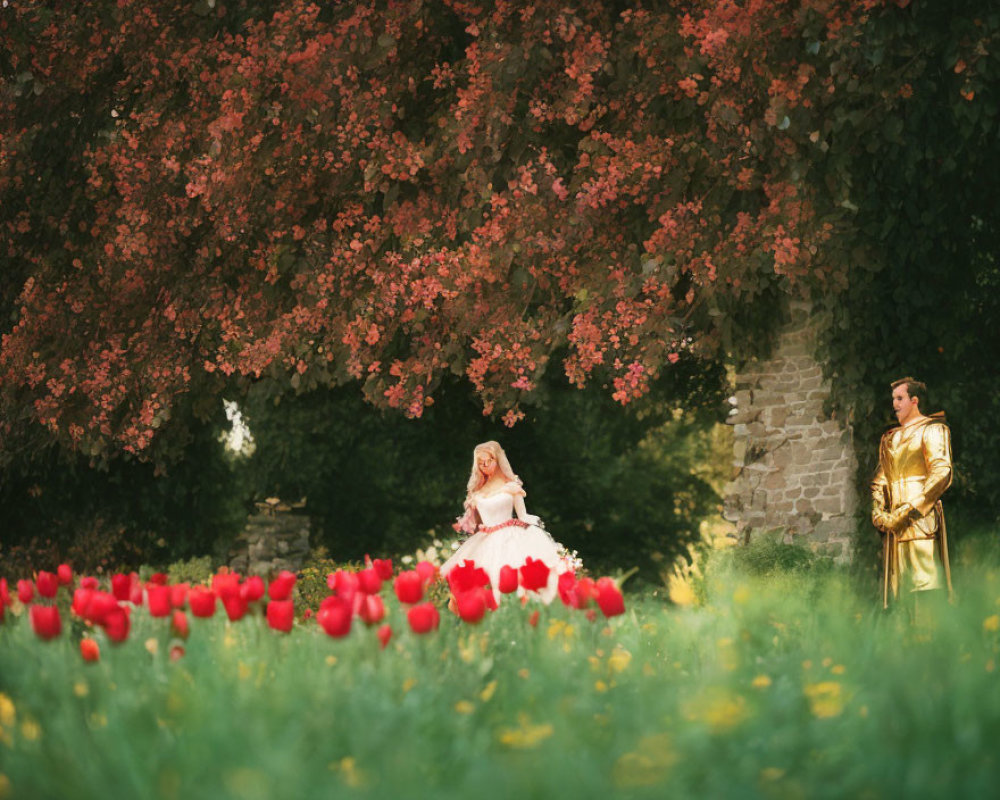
(795, 463)
(274, 539)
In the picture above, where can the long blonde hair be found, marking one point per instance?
(476, 479)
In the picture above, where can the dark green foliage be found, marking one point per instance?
(376, 482)
(58, 507)
(923, 297)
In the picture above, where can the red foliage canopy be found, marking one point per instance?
(388, 192)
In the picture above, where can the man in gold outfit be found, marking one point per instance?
(913, 472)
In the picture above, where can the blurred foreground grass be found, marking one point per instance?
(789, 685)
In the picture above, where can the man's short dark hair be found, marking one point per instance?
(914, 388)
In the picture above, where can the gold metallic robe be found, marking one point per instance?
(914, 470)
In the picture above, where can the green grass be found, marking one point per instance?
(787, 685)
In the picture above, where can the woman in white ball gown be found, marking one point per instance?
(502, 532)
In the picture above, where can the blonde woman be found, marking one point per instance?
(502, 532)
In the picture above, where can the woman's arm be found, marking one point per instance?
(519, 508)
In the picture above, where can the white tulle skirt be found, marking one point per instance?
(511, 545)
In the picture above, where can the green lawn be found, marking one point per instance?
(788, 686)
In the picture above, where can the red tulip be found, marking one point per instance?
(202, 601)
(567, 590)
(252, 589)
(90, 650)
(176, 652)
(586, 590)
(467, 576)
(158, 600)
(235, 605)
(89, 583)
(178, 595)
(384, 634)
(533, 619)
(372, 609)
(471, 605)
(25, 591)
(345, 583)
(81, 601)
(334, 616)
(369, 582)
(225, 584)
(158, 578)
(121, 586)
(99, 605)
(179, 625)
(507, 581)
(45, 621)
(427, 571)
(281, 587)
(609, 598)
(534, 575)
(117, 623)
(383, 568)
(409, 587)
(48, 583)
(4, 593)
(281, 615)
(65, 574)
(423, 617)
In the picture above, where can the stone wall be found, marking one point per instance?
(795, 465)
(271, 542)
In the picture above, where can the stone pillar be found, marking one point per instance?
(271, 542)
(795, 465)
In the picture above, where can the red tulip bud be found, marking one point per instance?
(409, 587)
(281, 615)
(48, 583)
(45, 621)
(423, 618)
(90, 650)
(334, 616)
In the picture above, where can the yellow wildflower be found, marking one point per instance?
(408, 684)
(244, 671)
(719, 708)
(648, 764)
(4, 786)
(467, 649)
(331, 661)
(464, 707)
(350, 774)
(770, 774)
(992, 624)
(761, 682)
(825, 698)
(80, 689)
(600, 686)
(838, 669)
(680, 591)
(526, 735)
(741, 596)
(488, 691)
(7, 713)
(31, 730)
(524, 672)
(98, 720)
(152, 646)
(619, 659)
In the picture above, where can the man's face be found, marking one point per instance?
(904, 406)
